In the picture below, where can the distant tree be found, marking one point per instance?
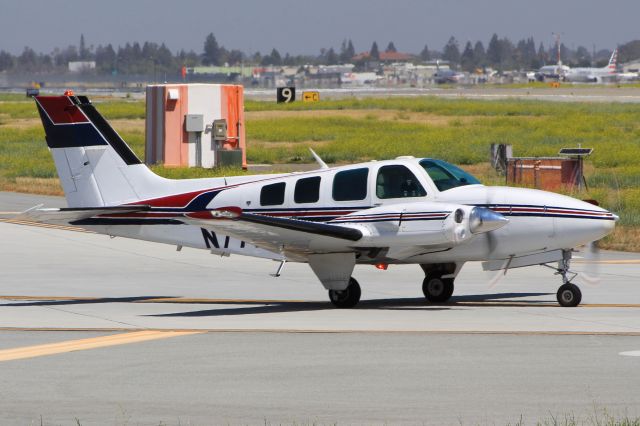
(275, 58)
(542, 55)
(583, 57)
(332, 57)
(629, 51)
(467, 60)
(479, 54)
(494, 54)
(235, 57)
(288, 60)
(520, 53)
(391, 47)
(105, 59)
(374, 53)
(164, 57)
(212, 52)
(83, 52)
(424, 54)
(531, 56)
(343, 51)
(6, 61)
(351, 51)
(451, 52)
(28, 60)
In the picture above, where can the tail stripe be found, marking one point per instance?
(112, 137)
(71, 122)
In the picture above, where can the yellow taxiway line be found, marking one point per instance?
(91, 343)
(45, 225)
(187, 331)
(196, 301)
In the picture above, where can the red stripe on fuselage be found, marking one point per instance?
(178, 200)
(61, 110)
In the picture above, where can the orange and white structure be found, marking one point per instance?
(170, 141)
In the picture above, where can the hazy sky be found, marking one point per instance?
(301, 26)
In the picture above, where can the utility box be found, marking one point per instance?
(194, 125)
(220, 130)
(548, 173)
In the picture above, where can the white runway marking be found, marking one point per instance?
(630, 353)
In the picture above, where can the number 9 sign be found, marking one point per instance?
(286, 94)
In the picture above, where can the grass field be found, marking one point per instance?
(352, 130)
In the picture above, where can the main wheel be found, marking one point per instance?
(347, 298)
(437, 289)
(569, 295)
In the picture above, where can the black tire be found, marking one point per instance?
(437, 289)
(347, 298)
(569, 295)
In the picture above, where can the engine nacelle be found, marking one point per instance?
(421, 224)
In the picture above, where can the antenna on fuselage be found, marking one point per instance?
(316, 157)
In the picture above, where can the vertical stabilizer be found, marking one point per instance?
(95, 166)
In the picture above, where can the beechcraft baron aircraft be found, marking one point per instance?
(404, 211)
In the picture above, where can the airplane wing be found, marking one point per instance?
(70, 215)
(295, 238)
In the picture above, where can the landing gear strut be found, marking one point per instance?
(569, 295)
(347, 298)
(437, 289)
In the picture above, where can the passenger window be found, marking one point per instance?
(397, 182)
(272, 195)
(350, 185)
(307, 190)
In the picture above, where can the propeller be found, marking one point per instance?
(590, 273)
(494, 197)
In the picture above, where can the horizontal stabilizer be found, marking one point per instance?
(69, 215)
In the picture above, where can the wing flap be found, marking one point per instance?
(290, 236)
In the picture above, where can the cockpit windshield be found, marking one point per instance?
(446, 176)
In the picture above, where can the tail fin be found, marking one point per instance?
(95, 166)
(613, 61)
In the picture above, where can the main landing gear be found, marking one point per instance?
(437, 289)
(347, 298)
(569, 294)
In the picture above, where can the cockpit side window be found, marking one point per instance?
(446, 176)
(397, 182)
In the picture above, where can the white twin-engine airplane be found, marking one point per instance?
(403, 211)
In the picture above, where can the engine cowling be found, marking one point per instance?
(421, 224)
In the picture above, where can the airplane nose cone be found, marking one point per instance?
(485, 220)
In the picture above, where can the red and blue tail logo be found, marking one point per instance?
(72, 122)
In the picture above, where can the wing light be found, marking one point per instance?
(221, 213)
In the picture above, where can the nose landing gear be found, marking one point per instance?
(569, 294)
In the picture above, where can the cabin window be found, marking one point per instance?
(350, 185)
(397, 182)
(307, 190)
(272, 195)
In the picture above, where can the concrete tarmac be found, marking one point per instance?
(124, 331)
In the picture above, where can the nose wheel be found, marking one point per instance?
(569, 295)
(347, 298)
